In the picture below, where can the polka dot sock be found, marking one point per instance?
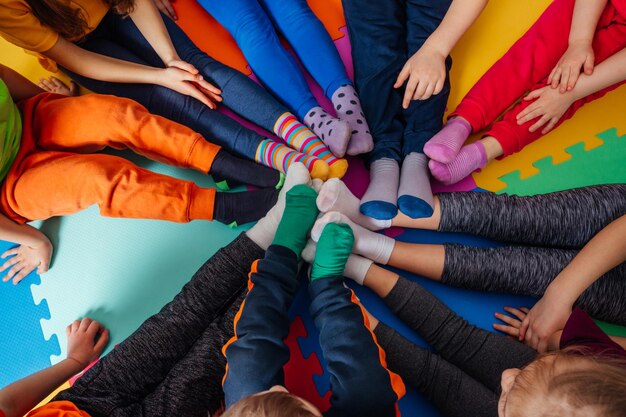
(333, 132)
(445, 145)
(469, 159)
(299, 137)
(278, 156)
(348, 107)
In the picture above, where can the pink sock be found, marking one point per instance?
(445, 145)
(469, 159)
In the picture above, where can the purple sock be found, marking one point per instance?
(333, 132)
(445, 145)
(348, 107)
(469, 159)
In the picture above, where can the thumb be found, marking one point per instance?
(588, 66)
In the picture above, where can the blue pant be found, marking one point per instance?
(119, 38)
(384, 34)
(253, 24)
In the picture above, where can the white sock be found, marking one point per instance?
(335, 196)
(356, 267)
(374, 246)
(263, 232)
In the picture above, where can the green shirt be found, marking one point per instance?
(10, 130)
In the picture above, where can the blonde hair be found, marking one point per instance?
(567, 383)
(270, 404)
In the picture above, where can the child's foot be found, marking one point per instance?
(229, 170)
(374, 246)
(356, 266)
(264, 231)
(279, 156)
(469, 159)
(298, 218)
(348, 106)
(300, 138)
(236, 209)
(381, 196)
(445, 145)
(333, 132)
(415, 198)
(333, 249)
(335, 196)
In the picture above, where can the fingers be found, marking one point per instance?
(10, 262)
(24, 271)
(84, 324)
(573, 78)
(565, 79)
(198, 95)
(511, 331)
(10, 252)
(524, 327)
(589, 63)
(409, 92)
(166, 7)
(43, 267)
(529, 113)
(556, 76)
(542, 121)
(533, 95)
(19, 271)
(75, 326)
(209, 87)
(46, 84)
(93, 328)
(517, 312)
(185, 66)
(550, 125)
(402, 77)
(102, 341)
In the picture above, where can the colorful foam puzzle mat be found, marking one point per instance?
(121, 271)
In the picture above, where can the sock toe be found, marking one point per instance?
(414, 207)
(440, 171)
(439, 152)
(328, 195)
(338, 168)
(379, 210)
(320, 170)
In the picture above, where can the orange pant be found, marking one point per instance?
(56, 171)
(527, 65)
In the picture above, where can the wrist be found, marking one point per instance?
(435, 48)
(74, 365)
(580, 41)
(168, 59)
(560, 296)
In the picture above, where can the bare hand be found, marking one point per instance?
(578, 56)
(56, 86)
(165, 6)
(549, 106)
(542, 321)
(86, 340)
(185, 78)
(25, 259)
(512, 324)
(426, 72)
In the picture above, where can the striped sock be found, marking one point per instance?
(302, 139)
(279, 156)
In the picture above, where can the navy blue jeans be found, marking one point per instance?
(119, 38)
(384, 34)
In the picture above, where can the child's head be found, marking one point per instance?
(276, 402)
(565, 384)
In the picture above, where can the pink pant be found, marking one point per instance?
(526, 66)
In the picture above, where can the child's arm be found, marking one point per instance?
(426, 69)
(35, 250)
(256, 354)
(104, 68)
(85, 341)
(604, 252)
(579, 53)
(19, 86)
(550, 105)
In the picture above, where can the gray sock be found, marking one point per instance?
(333, 132)
(415, 197)
(380, 198)
(348, 107)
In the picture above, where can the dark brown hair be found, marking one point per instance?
(566, 384)
(269, 404)
(68, 21)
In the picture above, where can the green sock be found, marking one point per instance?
(333, 250)
(298, 218)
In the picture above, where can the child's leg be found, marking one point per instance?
(453, 392)
(214, 126)
(528, 271)
(361, 384)
(423, 118)
(310, 40)
(123, 123)
(479, 353)
(379, 52)
(566, 219)
(47, 184)
(134, 368)
(513, 137)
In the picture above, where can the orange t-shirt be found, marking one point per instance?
(58, 409)
(19, 25)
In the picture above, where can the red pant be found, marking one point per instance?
(56, 171)
(526, 66)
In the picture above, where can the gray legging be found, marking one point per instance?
(555, 226)
(463, 377)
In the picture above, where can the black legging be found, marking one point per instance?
(555, 226)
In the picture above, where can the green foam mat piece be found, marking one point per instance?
(121, 271)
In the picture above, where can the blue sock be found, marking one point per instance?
(415, 196)
(380, 198)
